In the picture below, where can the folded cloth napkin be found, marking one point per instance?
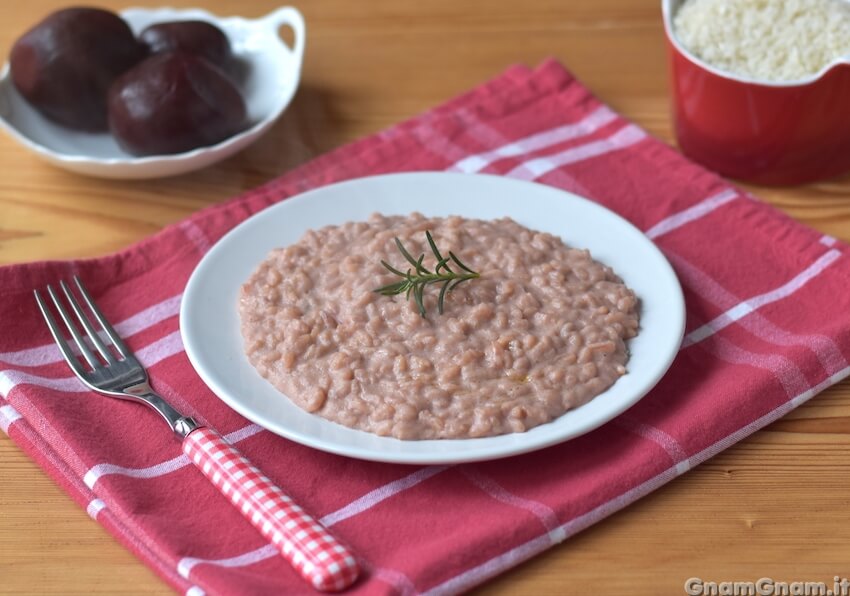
(762, 337)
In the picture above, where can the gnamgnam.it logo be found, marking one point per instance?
(767, 586)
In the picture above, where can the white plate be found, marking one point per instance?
(272, 71)
(209, 320)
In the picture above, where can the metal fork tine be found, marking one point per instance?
(84, 321)
(78, 339)
(70, 358)
(104, 324)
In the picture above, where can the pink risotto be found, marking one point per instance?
(542, 331)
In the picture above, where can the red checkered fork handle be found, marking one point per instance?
(303, 541)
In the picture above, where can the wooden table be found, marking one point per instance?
(774, 505)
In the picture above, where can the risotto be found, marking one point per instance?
(542, 331)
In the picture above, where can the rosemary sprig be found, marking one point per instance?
(414, 280)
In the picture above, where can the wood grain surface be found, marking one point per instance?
(775, 505)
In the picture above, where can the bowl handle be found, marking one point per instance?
(290, 16)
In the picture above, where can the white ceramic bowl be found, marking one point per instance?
(272, 71)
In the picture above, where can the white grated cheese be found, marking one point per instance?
(770, 40)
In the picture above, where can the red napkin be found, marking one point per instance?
(764, 296)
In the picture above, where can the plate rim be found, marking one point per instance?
(514, 442)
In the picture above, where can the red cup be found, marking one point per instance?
(774, 133)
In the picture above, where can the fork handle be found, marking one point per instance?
(320, 559)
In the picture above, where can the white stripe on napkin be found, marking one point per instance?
(710, 291)
(8, 415)
(751, 304)
(95, 506)
(535, 168)
(588, 125)
(652, 433)
(359, 505)
(98, 471)
(381, 493)
(151, 354)
(47, 353)
(547, 516)
(676, 220)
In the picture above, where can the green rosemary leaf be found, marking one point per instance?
(392, 269)
(404, 252)
(442, 264)
(419, 268)
(459, 264)
(417, 297)
(392, 289)
(433, 246)
(442, 297)
(457, 282)
(416, 279)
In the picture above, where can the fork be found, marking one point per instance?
(304, 542)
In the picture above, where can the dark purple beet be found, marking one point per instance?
(196, 37)
(65, 64)
(172, 103)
